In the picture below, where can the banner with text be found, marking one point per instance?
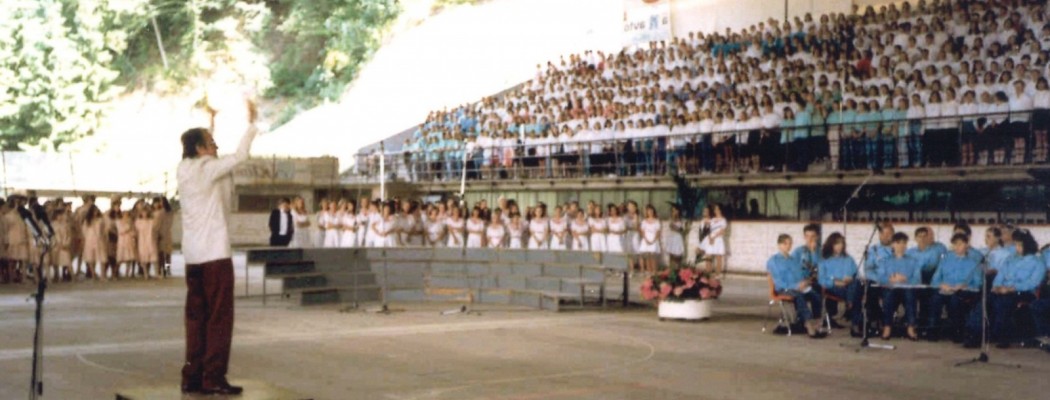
(645, 21)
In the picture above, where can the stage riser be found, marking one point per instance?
(305, 282)
(298, 267)
(538, 279)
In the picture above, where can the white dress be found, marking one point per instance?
(673, 242)
(538, 232)
(582, 231)
(516, 233)
(301, 234)
(386, 232)
(631, 241)
(598, 232)
(455, 232)
(331, 224)
(435, 229)
(349, 228)
(362, 229)
(409, 230)
(649, 237)
(317, 232)
(371, 239)
(557, 228)
(495, 234)
(614, 240)
(717, 246)
(475, 231)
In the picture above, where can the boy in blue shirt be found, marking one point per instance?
(955, 283)
(790, 278)
(898, 275)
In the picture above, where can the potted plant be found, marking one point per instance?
(685, 293)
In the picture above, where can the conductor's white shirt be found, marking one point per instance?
(205, 189)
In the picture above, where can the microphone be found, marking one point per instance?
(30, 223)
(41, 217)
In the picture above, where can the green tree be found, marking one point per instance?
(55, 68)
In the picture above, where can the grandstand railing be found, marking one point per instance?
(965, 140)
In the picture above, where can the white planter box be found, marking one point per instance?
(691, 310)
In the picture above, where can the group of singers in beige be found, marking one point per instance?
(88, 243)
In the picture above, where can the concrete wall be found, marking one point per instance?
(717, 15)
(246, 229)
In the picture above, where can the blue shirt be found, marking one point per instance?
(804, 256)
(876, 253)
(955, 270)
(996, 259)
(787, 273)
(907, 266)
(1021, 273)
(835, 269)
(928, 258)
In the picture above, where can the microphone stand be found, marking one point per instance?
(982, 358)
(864, 342)
(36, 386)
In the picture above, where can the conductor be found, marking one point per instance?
(205, 182)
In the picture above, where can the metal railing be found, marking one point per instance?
(967, 140)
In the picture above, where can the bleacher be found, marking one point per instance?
(878, 90)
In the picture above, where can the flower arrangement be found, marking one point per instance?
(682, 283)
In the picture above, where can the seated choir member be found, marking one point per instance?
(790, 278)
(1041, 309)
(1015, 282)
(955, 282)
(899, 275)
(837, 275)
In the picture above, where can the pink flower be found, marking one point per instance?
(715, 283)
(647, 290)
(705, 293)
(704, 280)
(665, 289)
(689, 284)
(686, 274)
(678, 291)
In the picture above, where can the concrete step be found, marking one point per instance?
(278, 268)
(303, 281)
(274, 254)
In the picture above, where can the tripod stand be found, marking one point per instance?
(864, 341)
(983, 357)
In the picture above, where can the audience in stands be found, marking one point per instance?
(943, 82)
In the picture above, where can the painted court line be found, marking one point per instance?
(386, 331)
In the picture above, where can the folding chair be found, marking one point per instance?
(779, 299)
(825, 296)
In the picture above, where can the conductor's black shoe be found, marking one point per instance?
(224, 389)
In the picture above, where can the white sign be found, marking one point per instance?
(646, 21)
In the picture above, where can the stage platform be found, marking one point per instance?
(253, 390)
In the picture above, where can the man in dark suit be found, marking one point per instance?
(281, 226)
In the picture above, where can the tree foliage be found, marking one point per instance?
(62, 61)
(56, 68)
